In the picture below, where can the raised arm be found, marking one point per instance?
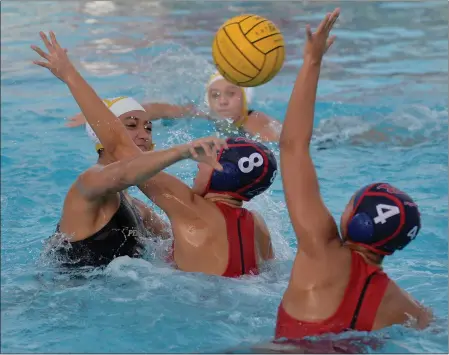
(122, 174)
(156, 110)
(312, 222)
(113, 136)
(108, 128)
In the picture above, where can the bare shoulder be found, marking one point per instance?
(261, 124)
(78, 189)
(259, 118)
(399, 307)
(94, 169)
(86, 179)
(82, 216)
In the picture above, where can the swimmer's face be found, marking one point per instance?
(225, 99)
(344, 220)
(139, 128)
(202, 177)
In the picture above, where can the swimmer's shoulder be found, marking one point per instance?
(399, 307)
(258, 116)
(95, 186)
(259, 123)
(81, 216)
(77, 204)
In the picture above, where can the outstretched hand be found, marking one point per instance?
(205, 150)
(57, 60)
(76, 120)
(319, 42)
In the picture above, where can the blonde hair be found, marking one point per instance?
(247, 93)
(369, 256)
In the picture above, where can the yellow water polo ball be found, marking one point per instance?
(248, 50)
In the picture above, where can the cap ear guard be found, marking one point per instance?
(227, 179)
(385, 219)
(361, 228)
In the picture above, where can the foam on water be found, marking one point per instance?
(376, 120)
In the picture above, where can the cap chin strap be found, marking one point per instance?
(241, 122)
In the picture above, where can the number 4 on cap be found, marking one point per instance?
(412, 233)
(384, 212)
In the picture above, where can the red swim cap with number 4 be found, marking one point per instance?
(249, 168)
(384, 219)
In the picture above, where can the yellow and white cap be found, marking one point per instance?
(248, 96)
(118, 106)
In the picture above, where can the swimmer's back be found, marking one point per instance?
(202, 244)
(340, 291)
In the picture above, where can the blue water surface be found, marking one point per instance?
(387, 74)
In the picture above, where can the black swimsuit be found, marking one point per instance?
(121, 236)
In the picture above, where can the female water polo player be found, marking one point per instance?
(338, 284)
(101, 220)
(225, 100)
(212, 232)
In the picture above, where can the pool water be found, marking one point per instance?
(387, 72)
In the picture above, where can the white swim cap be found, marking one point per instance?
(118, 106)
(248, 92)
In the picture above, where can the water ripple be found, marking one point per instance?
(381, 115)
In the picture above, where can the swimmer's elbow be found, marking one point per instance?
(420, 318)
(289, 144)
(425, 318)
(124, 151)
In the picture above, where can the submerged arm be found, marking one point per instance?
(153, 221)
